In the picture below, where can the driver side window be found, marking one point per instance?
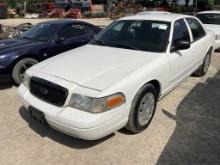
(180, 32)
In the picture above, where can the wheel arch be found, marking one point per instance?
(210, 50)
(157, 85)
(19, 58)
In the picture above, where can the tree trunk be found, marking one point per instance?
(187, 3)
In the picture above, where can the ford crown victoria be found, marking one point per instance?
(117, 79)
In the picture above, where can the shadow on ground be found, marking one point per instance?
(45, 131)
(5, 85)
(196, 138)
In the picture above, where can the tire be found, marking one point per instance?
(136, 122)
(202, 70)
(20, 68)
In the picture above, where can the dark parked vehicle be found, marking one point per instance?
(42, 41)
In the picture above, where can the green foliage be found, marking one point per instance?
(177, 9)
(217, 2)
(10, 3)
(211, 2)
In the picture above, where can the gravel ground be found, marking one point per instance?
(185, 130)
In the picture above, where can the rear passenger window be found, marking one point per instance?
(196, 28)
(90, 30)
(70, 31)
(180, 31)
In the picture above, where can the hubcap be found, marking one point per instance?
(24, 67)
(146, 109)
(206, 64)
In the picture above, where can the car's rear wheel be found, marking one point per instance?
(20, 68)
(142, 109)
(202, 70)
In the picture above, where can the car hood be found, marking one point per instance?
(96, 67)
(10, 45)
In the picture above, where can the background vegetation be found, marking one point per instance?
(12, 3)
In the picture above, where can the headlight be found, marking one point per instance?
(96, 105)
(26, 80)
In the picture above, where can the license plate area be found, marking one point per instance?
(37, 115)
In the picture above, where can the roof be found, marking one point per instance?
(156, 16)
(153, 12)
(63, 21)
(209, 12)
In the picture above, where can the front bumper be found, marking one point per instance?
(75, 122)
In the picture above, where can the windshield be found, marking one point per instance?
(40, 32)
(144, 35)
(210, 18)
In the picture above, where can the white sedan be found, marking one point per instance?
(211, 20)
(117, 79)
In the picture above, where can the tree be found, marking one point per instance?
(187, 3)
(211, 3)
(10, 3)
(216, 2)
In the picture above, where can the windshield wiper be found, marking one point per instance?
(125, 46)
(29, 38)
(99, 42)
(25, 37)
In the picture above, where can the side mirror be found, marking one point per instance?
(181, 45)
(58, 40)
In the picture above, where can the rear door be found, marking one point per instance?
(199, 44)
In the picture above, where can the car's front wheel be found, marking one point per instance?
(142, 109)
(20, 68)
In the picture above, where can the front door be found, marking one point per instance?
(69, 37)
(180, 60)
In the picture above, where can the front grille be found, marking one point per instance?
(48, 91)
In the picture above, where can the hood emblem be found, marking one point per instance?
(43, 91)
